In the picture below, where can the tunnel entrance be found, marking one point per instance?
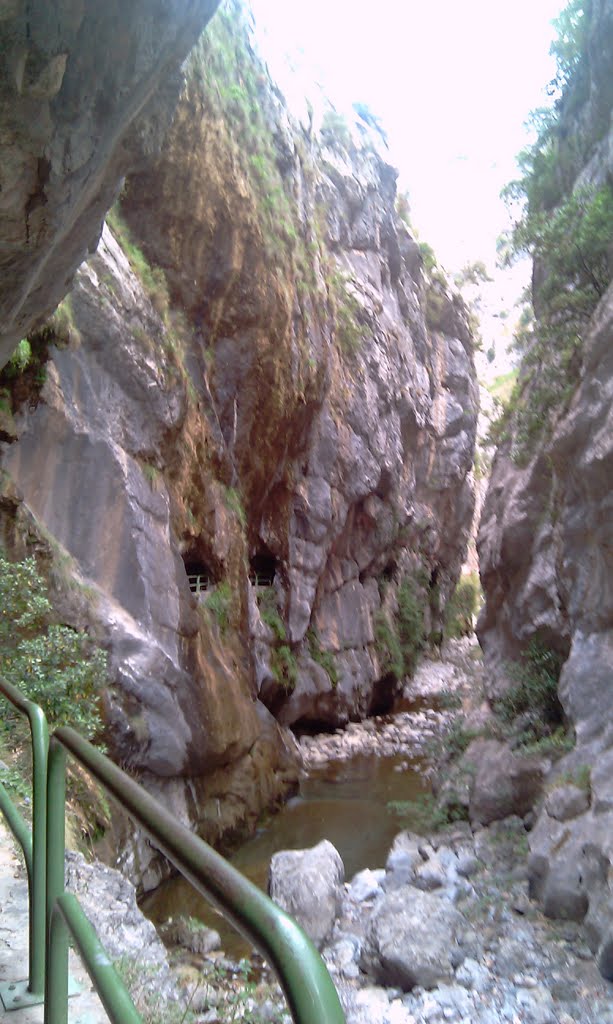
(262, 569)
(199, 575)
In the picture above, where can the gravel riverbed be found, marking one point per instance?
(503, 961)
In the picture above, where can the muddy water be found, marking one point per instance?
(347, 802)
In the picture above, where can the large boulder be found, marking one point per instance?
(503, 782)
(411, 939)
(309, 885)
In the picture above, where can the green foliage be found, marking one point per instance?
(400, 637)
(236, 997)
(458, 738)
(555, 744)
(335, 131)
(53, 665)
(452, 743)
(403, 209)
(283, 664)
(571, 246)
(429, 258)
(567, 232)
(534, 696)
(62, 325)
(151, 473)
(580, 777)
(463, 606)
(153, 1007)
(501, 388)
(152, 278)
(218, 603)
(21, 358)
(475, 273)
(323, 658)
(448, 700)
(270, 616)
(425, 814)
(347, 314)
(235, 503)
(232, 82)
(570, 44)
(410, 624)
(24, 374)
(388, 646)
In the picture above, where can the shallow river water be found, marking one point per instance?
(353, 803)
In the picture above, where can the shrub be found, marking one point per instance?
(218, 603)
(534, 697)
(462, 607)
(283, 663)
(350, 331)
(235, 504)
(425, 814)
(388, 646)
(458, 738)
(567, 231)
(335, 131)
(20, 359)
(410, 624)
(55, 666)
(323, 658)
(284, 666)
(399, 638)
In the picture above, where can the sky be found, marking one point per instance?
(453, 82)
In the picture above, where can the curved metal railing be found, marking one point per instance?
(32, 842)
(310, 993)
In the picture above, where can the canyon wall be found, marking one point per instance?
(546, 542)
(86, 93)
(276, 398)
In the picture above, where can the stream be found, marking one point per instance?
(359, 802)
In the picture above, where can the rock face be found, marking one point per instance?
(282, 397)
(545, 545)
(86, 91)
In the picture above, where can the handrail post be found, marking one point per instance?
(56, 979)
(67, 917)
(34, 849)
(38, 925)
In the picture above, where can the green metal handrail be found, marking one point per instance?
(68, 918)
(310, 993)
(32, 843)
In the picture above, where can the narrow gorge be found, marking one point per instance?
(238, 436)
(300, 405)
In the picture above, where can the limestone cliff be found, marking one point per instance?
(545, 547)
(280, 396)
(86, 91)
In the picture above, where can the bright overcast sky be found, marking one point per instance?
(452, 81)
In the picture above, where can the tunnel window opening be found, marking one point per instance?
(262, 570)
(389, 572)
(199, 575)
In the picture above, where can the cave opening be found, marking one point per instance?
(199, 575)
(262, 569)
(384, 694)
